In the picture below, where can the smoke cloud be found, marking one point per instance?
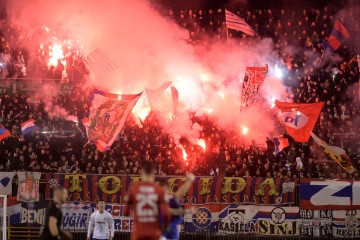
(150, 49)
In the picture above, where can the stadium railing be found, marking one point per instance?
(302, 227)
(27, 85)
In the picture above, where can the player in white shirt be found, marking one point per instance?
(101, 224)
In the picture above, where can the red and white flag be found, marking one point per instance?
(253, 80)
(108, 113)
(164, 98)
(235, 22)
(99, 63)
(299, 118)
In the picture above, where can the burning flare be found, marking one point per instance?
(184, 155)
(245, 130)
(56, 52)
(201, 143)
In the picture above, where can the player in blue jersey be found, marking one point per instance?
(176, 210)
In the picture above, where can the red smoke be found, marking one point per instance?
(151, 49)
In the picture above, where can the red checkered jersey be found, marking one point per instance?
(150, 210)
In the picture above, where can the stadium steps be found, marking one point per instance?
(22, 233)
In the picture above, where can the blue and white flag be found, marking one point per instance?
(6, 183)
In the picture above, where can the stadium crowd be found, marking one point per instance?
(59, 144)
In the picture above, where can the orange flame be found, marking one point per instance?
(56, 52)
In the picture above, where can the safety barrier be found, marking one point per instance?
(29, 232)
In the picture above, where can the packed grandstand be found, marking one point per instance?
(58, 144)
(191, 92)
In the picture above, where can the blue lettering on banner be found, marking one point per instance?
(75, 221)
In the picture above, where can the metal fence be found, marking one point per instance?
(293, 229)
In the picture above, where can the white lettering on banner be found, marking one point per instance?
(356, 193)
(33, 216)
(325, 195)
(315, 223)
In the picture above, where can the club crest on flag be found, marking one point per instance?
(294, 119)
(202, 218)
(299, 118)
(108, 113)
(278, 215)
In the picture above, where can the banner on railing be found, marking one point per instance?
(278, 221)
(204, 220)
(29, 214)
(236, 219)
(240, 219)
(28, 186)
(6, 182)
(317, 194)
(76, 215)
(315, 223)
(205, 190)
(346, 223)
(214, 218)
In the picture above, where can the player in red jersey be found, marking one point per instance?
(150, 206)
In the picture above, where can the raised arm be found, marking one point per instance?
(186, 186)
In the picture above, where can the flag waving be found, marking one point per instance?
(28, 126)
(338, 36)
(164, 98)
(235, 22)
(108, 113)
(299, 118)
(280, 143)
(336, 153)
(254, 78)
(4, 133)
(99, 63)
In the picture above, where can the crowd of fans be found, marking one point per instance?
(59, 145)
